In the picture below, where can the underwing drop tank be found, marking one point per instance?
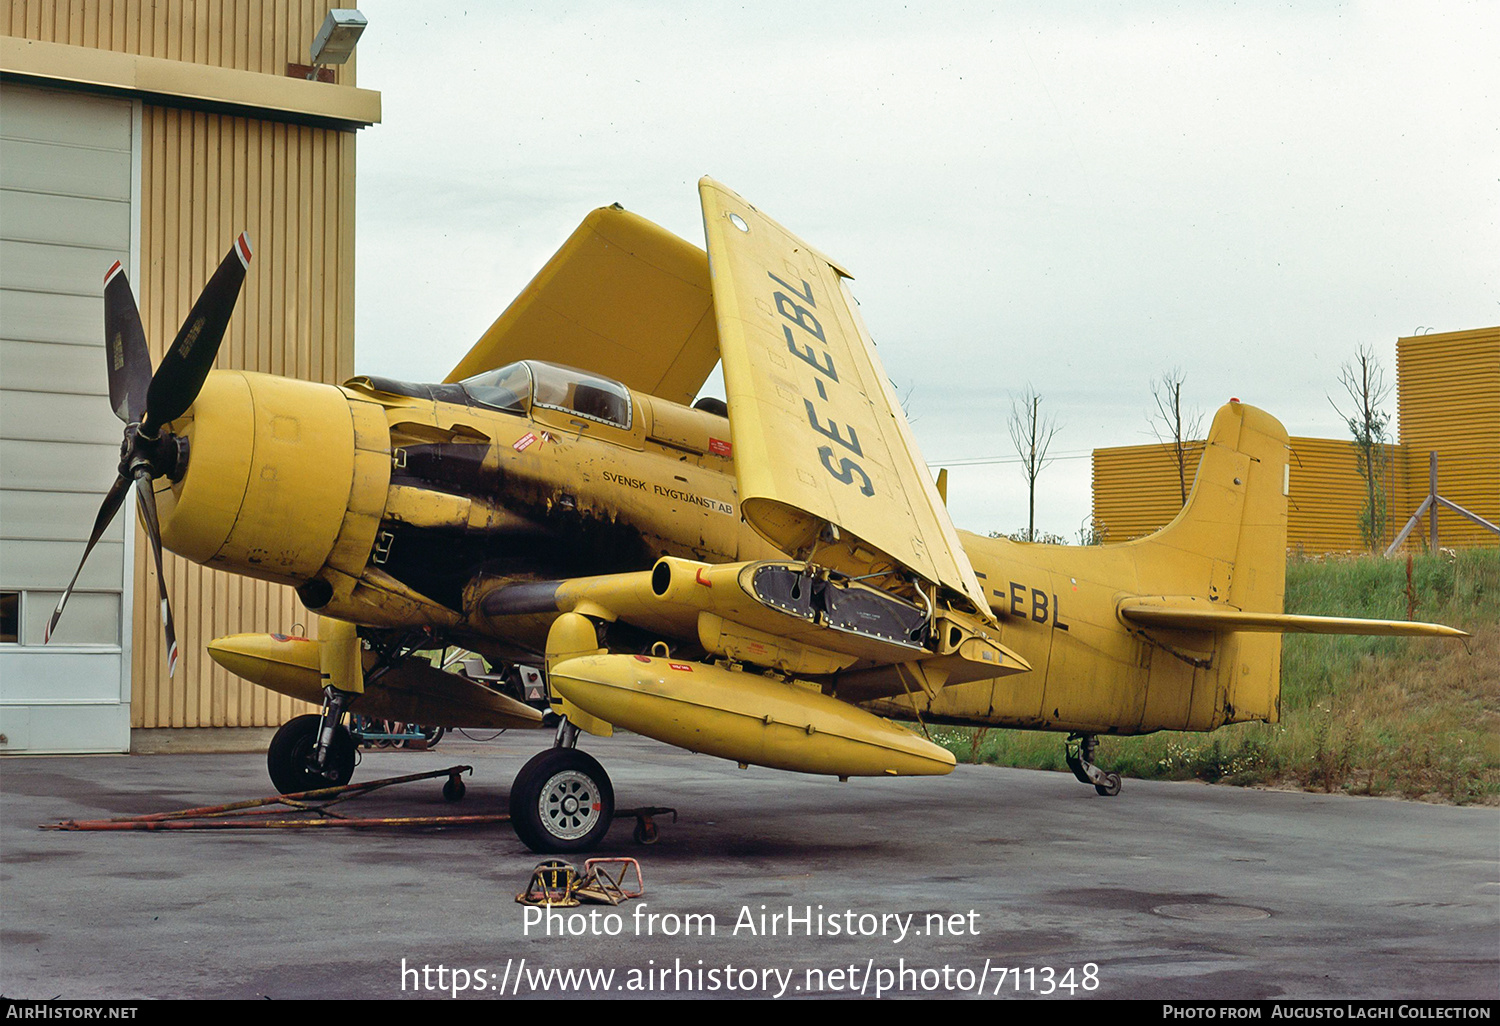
(744, 717)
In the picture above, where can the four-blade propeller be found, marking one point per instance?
(147, 402)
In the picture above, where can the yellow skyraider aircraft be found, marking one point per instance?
(758, 586)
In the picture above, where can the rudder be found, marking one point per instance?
(1228, 544)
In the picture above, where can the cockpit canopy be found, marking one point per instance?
(554, 387)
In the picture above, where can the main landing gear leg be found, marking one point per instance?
(335, 702)
(562, 800)
(313, 750)
(567, 734)
(1079, 751)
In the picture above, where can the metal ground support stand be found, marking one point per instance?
(645, 824)
(556, 883)
(252, 814)
(599, 889)
(553, 884)
(615, 882)
(1079, 751)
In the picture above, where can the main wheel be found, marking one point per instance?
(293, 745)
(561, 801)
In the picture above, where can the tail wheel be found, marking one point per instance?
(293, 746)
(562, 801)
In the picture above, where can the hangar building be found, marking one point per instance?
(150, 133)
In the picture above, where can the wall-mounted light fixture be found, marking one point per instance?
(335, 41)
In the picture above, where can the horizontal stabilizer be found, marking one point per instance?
(1186, 614)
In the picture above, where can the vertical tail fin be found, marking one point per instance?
(1229, 542)
(1228, 545)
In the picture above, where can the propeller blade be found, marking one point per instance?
(147, 499)
(186, 364)
(127, 357)
(107, 510)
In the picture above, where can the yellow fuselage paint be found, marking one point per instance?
(314, 485)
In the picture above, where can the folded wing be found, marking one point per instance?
(623, 298)
(827, 466)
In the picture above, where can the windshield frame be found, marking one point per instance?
(575, 377)
(523, 398)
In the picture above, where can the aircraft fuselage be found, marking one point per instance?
(391, 505)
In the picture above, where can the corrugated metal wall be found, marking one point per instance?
(1448, 398)
(247, 35)
(1136, 488)
(205, 178)
(1136, 492)
(1327, 498)
(1449, 401)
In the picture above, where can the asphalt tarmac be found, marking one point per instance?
(987, 882)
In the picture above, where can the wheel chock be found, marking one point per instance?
(554, 884)
(600, 870)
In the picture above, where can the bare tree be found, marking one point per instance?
(1364, 382)
(1032, 432)
(1172, 425)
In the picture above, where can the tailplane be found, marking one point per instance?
(1233, 529)
(1211, 583)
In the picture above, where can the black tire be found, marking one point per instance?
(562, 801)
(454, 790)
(294, 743)
(1111, 785)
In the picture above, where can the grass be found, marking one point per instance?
(1402, 717)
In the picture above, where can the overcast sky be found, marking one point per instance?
(1075, 197)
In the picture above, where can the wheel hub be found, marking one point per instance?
(569, 805)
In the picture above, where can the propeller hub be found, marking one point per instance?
(166, 455)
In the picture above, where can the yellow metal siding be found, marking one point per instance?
(206, 177)
(1136, 492)
(1448, 397)
(1327, 496)
(247, 35)
(1136, 488)
(1448, 389)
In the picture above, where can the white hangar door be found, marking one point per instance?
(68, 202)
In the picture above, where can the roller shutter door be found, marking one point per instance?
(67, 211)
